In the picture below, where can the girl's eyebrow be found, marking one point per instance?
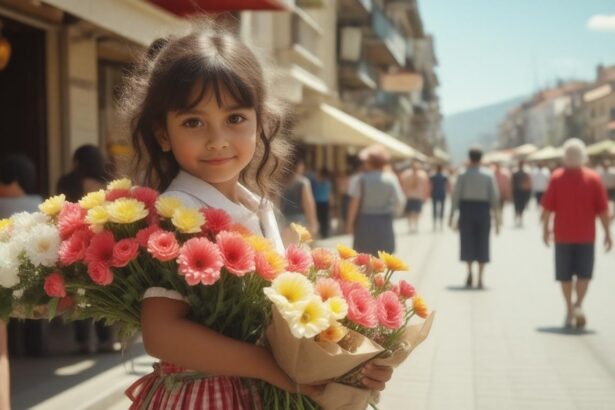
(194, 111)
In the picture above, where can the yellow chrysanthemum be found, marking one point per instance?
(166, 206)
(420, 307)
(97, 215)
(310, 319)
(302, 232)
(276, 261)
(333, 333)
(259, 243)
(5, 223)
(123, 183)
(338, 307)
(126, 211)
(52, 206)
(393, 263)
(188, 220)
(350, 272)
(288, 290)
(346, 252)
(93, 199)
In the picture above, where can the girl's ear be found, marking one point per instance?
(163, 140)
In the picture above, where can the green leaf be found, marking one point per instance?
(52, 307)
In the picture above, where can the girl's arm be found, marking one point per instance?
(171, 337)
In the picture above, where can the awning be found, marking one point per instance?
(187, 7)
(329, 125)
(546, 154)
(524, 150)
(600, 148)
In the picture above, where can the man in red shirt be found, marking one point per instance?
(576, 196)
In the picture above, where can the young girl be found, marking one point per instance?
(201, 122)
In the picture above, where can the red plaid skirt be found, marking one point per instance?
(170, 387)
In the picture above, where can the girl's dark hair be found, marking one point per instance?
(90, 163)
(213, 59)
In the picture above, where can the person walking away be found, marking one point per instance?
(17, 181)
(575, 197)
(540, 180)
(522, 190)
(503, 182)
(414, 182)
(322, 189)
(439, 189)
(296, 201)
(376, 199)
(607, 174)
(476, 198)
(88, 175)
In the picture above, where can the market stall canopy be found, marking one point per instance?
(524, 150)
(546, 154)
(329, 125)
(601, 148)
(498, 157)
(441, 155)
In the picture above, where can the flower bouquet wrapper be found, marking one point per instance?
(337, 396)
(310, 362)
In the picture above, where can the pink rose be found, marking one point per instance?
(298, 259)
(237, 254)
(163, 245)
(406, 290)
(124, 252)
(100, 273)
(390, 311)
(362, 308)
(54, 286)
(379, 281)
(73, 249)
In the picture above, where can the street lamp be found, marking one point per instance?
(5, 50)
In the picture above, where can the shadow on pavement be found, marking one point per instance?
(565, 331)
(465, 289)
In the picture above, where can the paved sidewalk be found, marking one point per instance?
(501, 348)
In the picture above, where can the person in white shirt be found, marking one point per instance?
(540, 181)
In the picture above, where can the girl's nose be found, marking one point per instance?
(217, 141)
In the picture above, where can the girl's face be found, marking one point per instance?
(214, 143)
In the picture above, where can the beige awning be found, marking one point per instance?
(329, 125)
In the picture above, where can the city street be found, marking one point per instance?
(502, 348)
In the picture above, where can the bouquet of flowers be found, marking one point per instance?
(338, 312)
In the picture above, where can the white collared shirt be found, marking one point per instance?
(251, 212)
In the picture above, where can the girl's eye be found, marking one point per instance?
(236, 119)
(192, 123)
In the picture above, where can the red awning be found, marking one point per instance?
(186, 7)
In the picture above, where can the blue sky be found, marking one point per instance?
(493, 50)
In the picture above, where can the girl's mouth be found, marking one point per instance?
(217, 161)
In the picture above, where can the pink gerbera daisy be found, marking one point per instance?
(390, 311)
(237, 254)
(200, 261)
(216, 220)
(146, 195)
(298, 259)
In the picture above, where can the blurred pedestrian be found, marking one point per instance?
(439, 189)
(476, 198)
(88, 175)
(503, 182)
(297, 201)
(540, 180)
(376, 199)
(322, 190)
(415, 184)
(576, 196)
(607, 175)
(17, 182)
(522, 191)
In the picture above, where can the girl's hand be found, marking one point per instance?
(375, 377)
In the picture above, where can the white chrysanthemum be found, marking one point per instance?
(310, 319)
(17, 294)
(43, 246)
(9, 266)
(338, 307)
(6, 227)
(25, 221)
(290, 290)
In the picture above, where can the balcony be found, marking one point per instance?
(401, 82)
(355, 12)
(188, 7)
(387, 46)
(357, 75)
(306, 39)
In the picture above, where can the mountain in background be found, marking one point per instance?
(478, 126)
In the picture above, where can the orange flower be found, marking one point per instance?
(346, 252)
(333, 333)
(393, 263)
(240, 229)
(378, 266)
(419, 306)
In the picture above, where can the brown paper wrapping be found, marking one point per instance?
(310, 362)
